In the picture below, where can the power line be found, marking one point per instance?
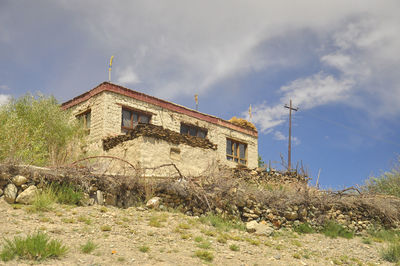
(338, 124)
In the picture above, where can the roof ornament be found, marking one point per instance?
(109, 68)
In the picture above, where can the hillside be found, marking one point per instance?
(124, 235)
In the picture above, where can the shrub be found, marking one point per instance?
(333, 230)
(88, 247)
(387, 183)
(34, 130)
(34, 247)
(392, 253)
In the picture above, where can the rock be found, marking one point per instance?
(1, 192)
(262, 229)
(10, 193)
(250, 215)
(153, 203)
(291, 216)
(277, 257)
(302, 213)
(19, 180)
(99, 197)
(27, 196)
(111, 199)
(24, 186)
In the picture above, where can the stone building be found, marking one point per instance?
(160, 132)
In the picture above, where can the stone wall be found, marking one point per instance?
(222, 193)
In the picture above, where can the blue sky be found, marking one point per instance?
(338, 61)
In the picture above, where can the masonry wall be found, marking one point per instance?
(97, 107)
(106, 121)
(150, 153)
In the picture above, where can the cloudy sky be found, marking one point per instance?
(338, 61)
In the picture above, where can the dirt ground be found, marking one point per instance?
(170, 238)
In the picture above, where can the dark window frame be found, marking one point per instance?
(235, 156)
(84, 118)
(192, 128)
(133, 112)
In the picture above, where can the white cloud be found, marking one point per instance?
(127, 76)
(278, 135)
(175, 47)
(307, 93)
(359, 68)
(178, 46)
(4, 98)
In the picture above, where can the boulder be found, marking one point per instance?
(18, 180)
(153, 203)
(27, 196)
(261, 228)
(10, 193)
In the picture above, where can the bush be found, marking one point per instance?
(387, 183)
(33, 247)
(333, 230)
(36, 131)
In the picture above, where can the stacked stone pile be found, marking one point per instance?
(228, 197)
(269, 175)
(158, 132)
(18, 190)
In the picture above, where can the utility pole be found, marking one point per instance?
(290, 131)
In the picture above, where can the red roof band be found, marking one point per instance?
(107, 86)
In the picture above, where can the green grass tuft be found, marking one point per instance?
(392, 253)
(385, 235)
(144, 249)
(304, 228)
(234, 247)
(105, 228)
(44, 201)
(204, 255)
(67, 193)
(333, 230)
(221, 223)
(88, 247)
(34, 247)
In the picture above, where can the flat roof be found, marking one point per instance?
(108, 86)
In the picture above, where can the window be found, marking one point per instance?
(130, 118)
(236, 151)
(85, 119)
(193, 131)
